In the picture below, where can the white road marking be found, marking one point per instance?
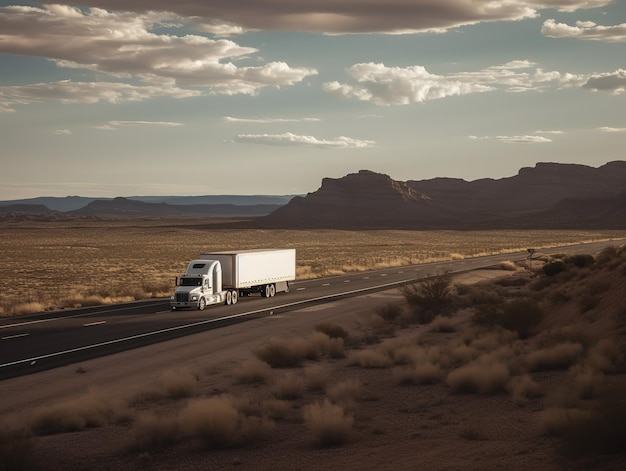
(94, 323)
(346, 281)
(15, 336)
(300, 289)
(383, 274)
(326, 284)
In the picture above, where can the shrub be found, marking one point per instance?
(70, 416)
(347, 392)
(389, 312)
(322, 344)
(560, 356)
(289, 387)
(253, 371)
(152, 433)
(523, 388)
(581, 260)
(316, 378)
(554, 268)
(284, 353)
(217, 423)
(483, 376)
(557, 420)
(521, 315)
(328, 422)
(334, 331)
(179, 383)
(442, 324)
(429, 297)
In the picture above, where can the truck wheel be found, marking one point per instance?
(229, 298)
(235, 297)
(202, 304)
(272, 291)
(266, 292)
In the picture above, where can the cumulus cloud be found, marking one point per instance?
(384, 85)
(289, 139)
(584, 30)
(125, 45)
(112, 125)
(549, 132)
(346, 16)
(62, 132)
(67, 91)
(612, 82)
(230, 119)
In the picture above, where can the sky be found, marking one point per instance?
(106, 98)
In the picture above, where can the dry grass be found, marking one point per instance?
(560, 356)
(253, 371)
(114, 261)
(328, 422)
(485, 375)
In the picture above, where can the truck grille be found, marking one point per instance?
(182, 297)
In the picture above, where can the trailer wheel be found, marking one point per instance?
(229, 298)
(266, 292)
(272, 291)
(202, 304)
(235, 297)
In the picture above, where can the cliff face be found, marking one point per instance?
(530, 199)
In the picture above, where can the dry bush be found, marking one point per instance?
(334, 331)
(16, 445)
(488, 341)
(347, 392)
(19, 309)
(153, 433)
(606, 356)
(252, 371)
(70, 416)
(328, 422)
(288, 387)
(390, 312)
(178, 384)
(284, 353)
(521, 315)
(429, 297)
(557, 420)
(458, 355)
(585, 383)
(423, 373)
(484, 375)
(558, 357)
(508, 265)
(369, 359)
(322, 344)
(217, 423)
(442, 325)
(316, 378)
(522, 388)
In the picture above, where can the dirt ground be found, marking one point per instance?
(393, 426)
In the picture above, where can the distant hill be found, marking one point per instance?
(129, 208)
(72, 203)
(548, 195)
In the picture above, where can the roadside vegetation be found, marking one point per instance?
(523, 340)
(51, 266)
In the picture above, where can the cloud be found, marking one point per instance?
(125, 45)
(609, 129)
(230, 119)
(612, 82)
(62, 132)
(113, 125)
(345, 16)
(549, 132)
(289, 139)
(383, 85)
(67, 91)
(584, 30)
(526, 139)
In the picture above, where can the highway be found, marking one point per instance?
(37, 342)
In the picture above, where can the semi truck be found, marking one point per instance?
(223, 277)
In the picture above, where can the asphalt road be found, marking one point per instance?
(33, 343)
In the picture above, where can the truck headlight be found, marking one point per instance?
(194, 298)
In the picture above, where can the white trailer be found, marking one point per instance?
(222, 277)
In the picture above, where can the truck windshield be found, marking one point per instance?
(190, 281)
